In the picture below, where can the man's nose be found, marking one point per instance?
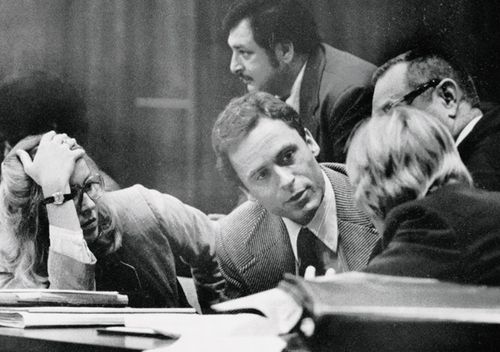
(286, 177)
(235, 66)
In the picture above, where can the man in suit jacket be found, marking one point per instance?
(262, 146)
(437, 84)
(276, 48)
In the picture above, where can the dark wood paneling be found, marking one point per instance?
(117, 51)
(380, 29)
(31, 36)
(126, 52)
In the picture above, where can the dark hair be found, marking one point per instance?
(425, 64)
(240, 117)
(276, 21)
(39, 102)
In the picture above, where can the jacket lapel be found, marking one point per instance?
(489, 123)
(309, 90)
(357, 236)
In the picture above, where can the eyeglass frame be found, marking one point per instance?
(408, 98)
(77, 191)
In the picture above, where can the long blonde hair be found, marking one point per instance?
(400, 157)
(24, 230)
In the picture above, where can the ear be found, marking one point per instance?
(284, 52)
(447, 93)
(311, 143)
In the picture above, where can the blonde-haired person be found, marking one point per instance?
(408, 176)
(126, 240)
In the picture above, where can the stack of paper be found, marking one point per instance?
(44, 297)
(28, 317)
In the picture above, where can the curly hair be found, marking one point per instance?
(400, 157)
(24, 227)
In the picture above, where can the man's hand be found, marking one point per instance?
(310, 273)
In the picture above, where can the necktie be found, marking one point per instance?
(309, 251)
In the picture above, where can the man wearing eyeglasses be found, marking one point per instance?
(438, 85)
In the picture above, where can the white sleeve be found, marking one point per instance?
(70, 243)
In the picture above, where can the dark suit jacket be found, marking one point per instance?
(335, 94)
(452, 234)
(480, 151)
(254, 248)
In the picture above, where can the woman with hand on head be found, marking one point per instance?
(60, 230)
(408, 176)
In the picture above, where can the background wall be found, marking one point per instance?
(155, 72)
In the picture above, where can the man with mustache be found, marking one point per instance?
(276, 48)
(299, 213)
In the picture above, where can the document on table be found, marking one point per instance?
(177, 325)
(27, 317)
(225, 344)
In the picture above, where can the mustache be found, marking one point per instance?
(243, 77)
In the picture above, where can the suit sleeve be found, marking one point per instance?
(484, 163)
(234, 284)
(192, 237)
(351, 107)
(420, 245)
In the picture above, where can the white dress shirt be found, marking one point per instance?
(294, 98)
(70, 243)
(324, 223)
(468, 129)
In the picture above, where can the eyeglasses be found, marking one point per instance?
(93, 187)
(410, 97)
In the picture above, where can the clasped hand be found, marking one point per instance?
(53, 163)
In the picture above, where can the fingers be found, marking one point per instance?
(63, 140)
(47, 137)
(59, 138)
(25, 158)
(330, 272)
(310, 273)
(78, 153)
(70, 142)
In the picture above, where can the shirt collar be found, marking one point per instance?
(294, 98)
(468, 129)
(324, 223)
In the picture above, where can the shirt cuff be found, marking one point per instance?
(70, 243)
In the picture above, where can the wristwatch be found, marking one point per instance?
(58, 198)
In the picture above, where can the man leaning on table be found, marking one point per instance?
(300, 213)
